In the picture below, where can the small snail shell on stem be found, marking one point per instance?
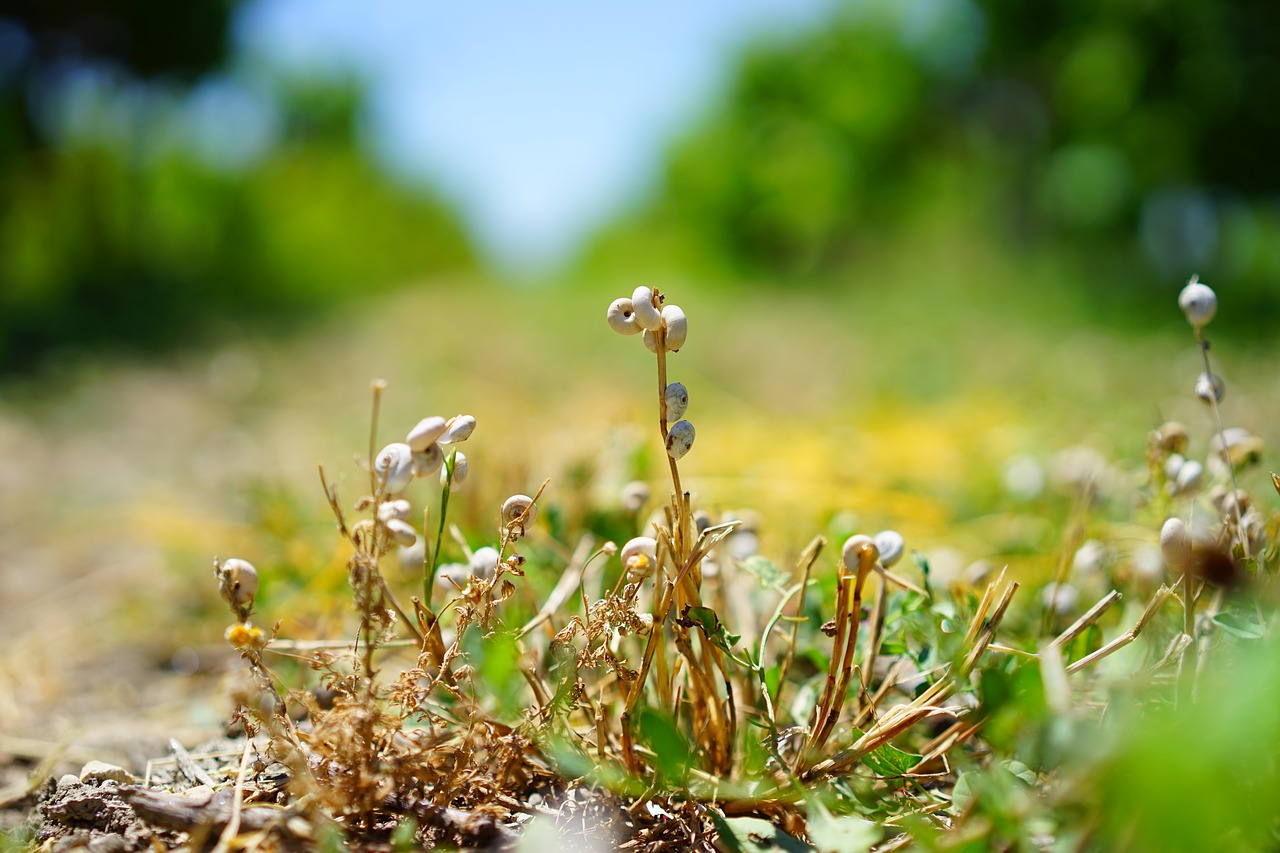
(639, 556)
(519, 512)
(238, 585)
(680, 439)
(890, 544)
(647, 315)
(677, 400)
(677, 328)
(402, 533)
(458, 430)
(427, 461)
(1210, 387)
(425, 433)
(1198, 302)
(459, 468)
(622, 317)
(399, 508)
(860, 553)
(394, 467)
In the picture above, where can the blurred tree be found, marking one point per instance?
(1133, 132)
(154, 193)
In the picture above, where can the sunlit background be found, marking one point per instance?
(926, 246)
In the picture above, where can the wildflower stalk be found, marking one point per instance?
(1203, 344)
(434, 561)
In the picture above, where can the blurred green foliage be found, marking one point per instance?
(1130, 133)
(145, 203)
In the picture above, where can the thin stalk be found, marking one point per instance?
(429, 587)
(1203, 343)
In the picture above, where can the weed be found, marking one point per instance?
(692, 693)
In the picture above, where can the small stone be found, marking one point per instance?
(101, 771)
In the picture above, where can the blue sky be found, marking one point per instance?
(537, 119)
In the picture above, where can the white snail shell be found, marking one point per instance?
(458, 429)
(427, 461)
(677, 326)
(401, 531)
(1210, 387)
(425, 433)
(1175, 543)
(622, 317)
(680, 439)
(1199, 303)
(238, 584)
(639, 555)
(460, 468)
(891, 545)
(399, 508)
(484, 563)
(394, 467)
(516, 508)
(646, 314)
(677, 400)
(855, 546)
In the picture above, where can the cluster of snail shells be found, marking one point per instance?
(640, 314)
(422, 454)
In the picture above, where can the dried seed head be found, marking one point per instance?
(394, 467)
(399, 508)
(459, 469)
(1175, 543)
(639, 556)
(238, 585)
(677, 400)
(402, 532)
(519, 512)
(426, 432)
(1198, 302)
(458, 429)
(1172, 437)
(1210, 387)
(648, 316)
(622, 317)
(427, 461)
(890, 544)
(484, 563)
(635, 495)
(680, 439)
(858, 548)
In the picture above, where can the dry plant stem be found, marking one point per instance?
(1203, 344)
(807, 558)
(902, 717)
(848, 620)
(570, 581)
(878, 613)
(1089, 617)
(1157, 600)
(232, 829)
(378, 385)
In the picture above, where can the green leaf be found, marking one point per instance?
(844, 834)
(888, 760)
(658, 731)
(754, 835)
(1239, 626)
(706, 620)
(765, 571)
